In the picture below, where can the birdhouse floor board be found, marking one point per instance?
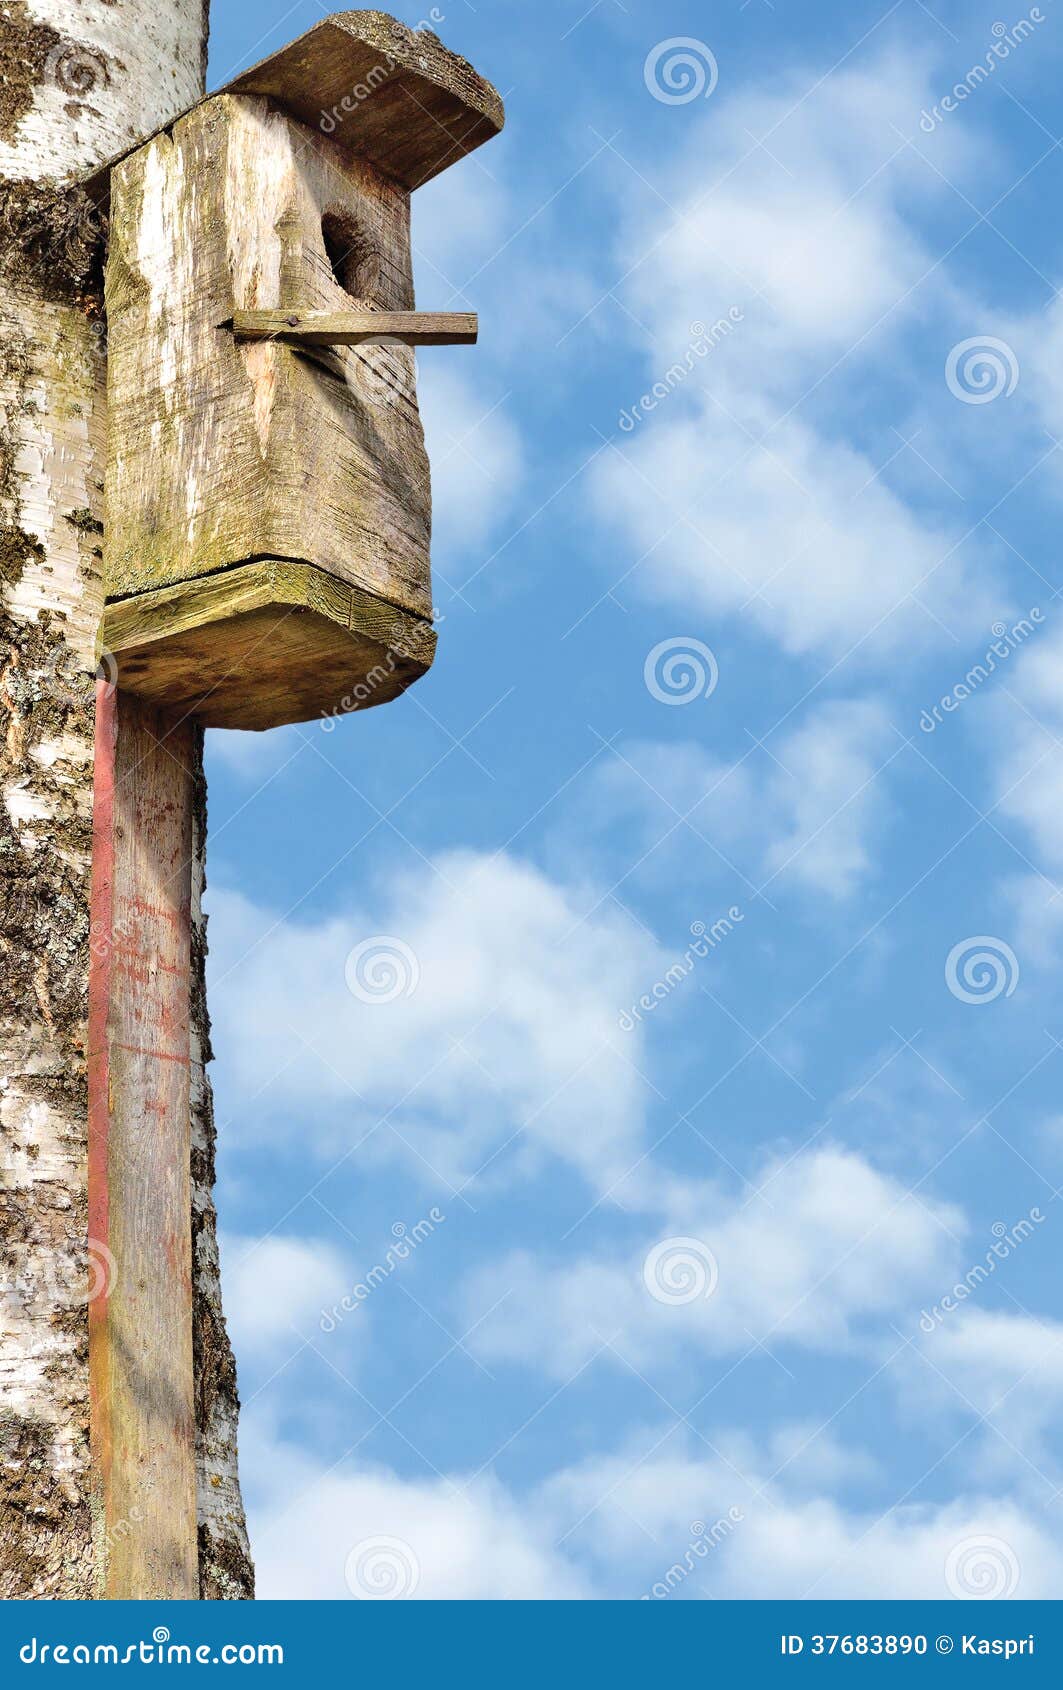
(265, 644)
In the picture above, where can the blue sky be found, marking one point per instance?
(665, 1303)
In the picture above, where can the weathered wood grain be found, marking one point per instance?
(140, 1334)
(357, 328)
(220, 452)
(270, 643)
(388, 94)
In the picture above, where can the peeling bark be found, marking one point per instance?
(76, 85)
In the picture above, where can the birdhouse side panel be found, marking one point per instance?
(222, 452)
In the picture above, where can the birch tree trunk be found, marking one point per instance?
(78, 82)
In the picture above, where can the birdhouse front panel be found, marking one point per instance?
(224, 451)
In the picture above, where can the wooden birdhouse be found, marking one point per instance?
(267, 488)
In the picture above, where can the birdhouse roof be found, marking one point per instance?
(383, 92)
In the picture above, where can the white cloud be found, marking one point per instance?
(252, 756)
(1004, 1366)
(799, 533)
(505, 1050)
(458, 1539)
(807, 814)
(822, 1257)
(275, 1288)
(733, 495)
(623, 1524)
(786, 1545)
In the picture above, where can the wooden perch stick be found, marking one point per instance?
(356, 328)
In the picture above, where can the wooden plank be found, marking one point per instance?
(272, 642)
(379, 90)
(357, 328)
(140, 1329)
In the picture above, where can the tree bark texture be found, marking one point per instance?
(79, 81)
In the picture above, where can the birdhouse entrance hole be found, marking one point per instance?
(354, 257)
